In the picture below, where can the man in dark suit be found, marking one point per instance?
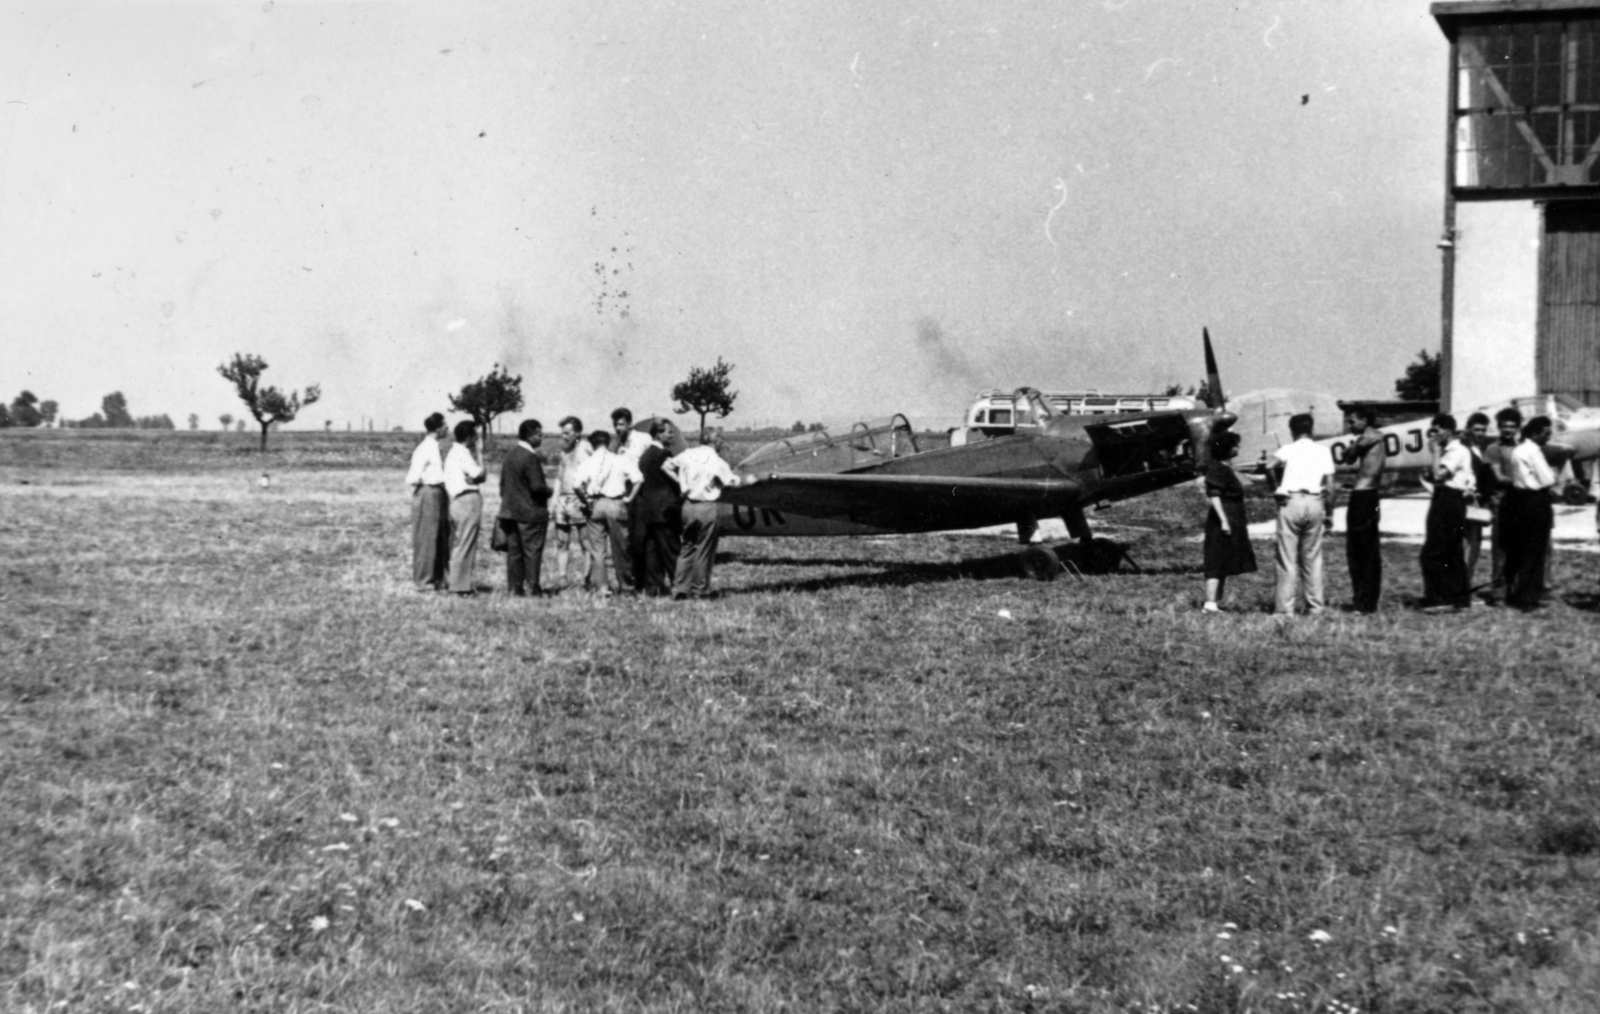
(656, 518)
(524, 510)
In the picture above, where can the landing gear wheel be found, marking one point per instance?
(1040, 563)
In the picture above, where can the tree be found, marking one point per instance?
(267, 404)
(48, 410)
(194, 421)
(706, 393)
(226, 419)
(25, 410)
(114, 409)
(798, 427)
(489, 397)
(238, 427)
(155, 422)
(1421, 382)
(5, 416)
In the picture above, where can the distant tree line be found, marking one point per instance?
(114, 415)
(27, 411)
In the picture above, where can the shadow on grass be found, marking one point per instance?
(1071, 562)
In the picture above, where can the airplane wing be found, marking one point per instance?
(908, 503)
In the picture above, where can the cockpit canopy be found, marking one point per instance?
(863, 444)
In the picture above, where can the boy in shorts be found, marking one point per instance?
(567, 509)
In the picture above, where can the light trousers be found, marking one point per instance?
(1299, 553)
(466, 517)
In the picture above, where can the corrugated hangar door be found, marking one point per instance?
(1569, 301)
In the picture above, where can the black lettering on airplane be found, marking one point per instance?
(1391, 444)
(745, 517)
(1416, 438)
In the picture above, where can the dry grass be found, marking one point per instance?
(245, 768)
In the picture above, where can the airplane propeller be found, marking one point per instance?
(1214, 396)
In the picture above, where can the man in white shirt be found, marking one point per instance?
(629, 442)
(1444, 560)
(463, 474)
(430, 509)
(700, 473)
(568, 513)
(1305, 507)
(1527, 516)
(607, 483)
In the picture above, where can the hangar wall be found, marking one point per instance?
(1493, 353)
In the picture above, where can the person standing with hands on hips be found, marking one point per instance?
(701, 473)
(1305, 508)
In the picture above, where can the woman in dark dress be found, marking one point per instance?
(1228, 550)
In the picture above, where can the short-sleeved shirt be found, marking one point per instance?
(1529, 469)
(1222, 482)
(606, 474)
(462, 473)
(1305, 465)
(701, 473)
(1457, 461)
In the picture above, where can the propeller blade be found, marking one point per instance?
(1214, 396)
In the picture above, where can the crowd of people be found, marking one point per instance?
(634, 512)
(1502, 486)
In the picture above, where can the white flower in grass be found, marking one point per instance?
(337, 846)
(1320, 937)
(348, 818)
(389, 823)
(415, 905)
(1224, 935)
(319, 923)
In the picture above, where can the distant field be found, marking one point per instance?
(245, 768)
(198, 450)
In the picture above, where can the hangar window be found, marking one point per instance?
(1527, 110)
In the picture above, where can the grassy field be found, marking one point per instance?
(243, 767)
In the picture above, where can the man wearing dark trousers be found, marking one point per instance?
(1444, 560)
(524, 510)
(1528, 516)
(655, 517)
(1361, 547)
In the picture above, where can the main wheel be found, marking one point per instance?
(1040, 563)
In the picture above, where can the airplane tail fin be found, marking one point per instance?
(1214, 395)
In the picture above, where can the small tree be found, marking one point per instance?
(114, 408)
(238, 427)
(1421, 382)
(489, 397)
(706, 393)
(48, 410)
(226, 419)
(194, 421)
(268, 405)
(25, 410)
(5, 416)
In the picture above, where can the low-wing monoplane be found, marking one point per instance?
(1577, 437)
(874, 479)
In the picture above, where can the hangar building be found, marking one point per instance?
(1521, 243)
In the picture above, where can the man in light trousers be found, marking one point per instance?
(1305, 508)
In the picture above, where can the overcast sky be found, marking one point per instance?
(867, 207)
